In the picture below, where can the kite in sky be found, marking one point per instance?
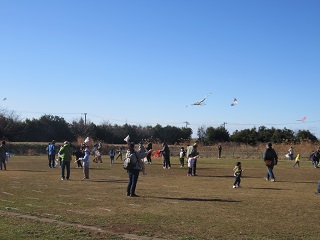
(235, 102)
(201, 102)
(302, 119)
(4, 99)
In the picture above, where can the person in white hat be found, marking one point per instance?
(86, 162)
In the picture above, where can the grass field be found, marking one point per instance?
(36, 204)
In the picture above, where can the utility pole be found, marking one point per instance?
(187, 123)
(224, 125)
(85, 118)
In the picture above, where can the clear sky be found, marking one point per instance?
(141, 62)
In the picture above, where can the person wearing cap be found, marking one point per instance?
(65, 153)
(270, 158)
(86, 162)
(52, 154)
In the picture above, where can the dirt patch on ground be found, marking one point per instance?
(90, 228)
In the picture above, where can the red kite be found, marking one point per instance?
(302, 119)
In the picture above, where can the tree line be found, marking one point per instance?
(254, 135)
(49, 127)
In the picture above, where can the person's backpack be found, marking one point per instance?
(128, 164)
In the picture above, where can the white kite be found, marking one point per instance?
(127, 139)
(235, 102)
(302, 119)
(201, 102)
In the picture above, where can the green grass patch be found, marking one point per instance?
(171, 205)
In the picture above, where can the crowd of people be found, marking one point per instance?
(143, 155)
(191, 154)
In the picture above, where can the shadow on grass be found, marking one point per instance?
(229, 176)
(28, 170)
(97, 169)
(110, 181)
(307, 182)
(270, 188)
(197, 199)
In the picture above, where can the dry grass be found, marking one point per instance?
(171, 206)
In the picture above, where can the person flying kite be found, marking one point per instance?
(201, 102)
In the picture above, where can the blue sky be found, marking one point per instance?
(141, 62)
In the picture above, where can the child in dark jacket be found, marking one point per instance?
(79, 154)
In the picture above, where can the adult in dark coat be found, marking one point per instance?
(270, 158)
(165, 151)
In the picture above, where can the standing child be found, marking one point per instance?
(297, 160)
(237, 174)
(97, 152)
(86, 163)
(112, 154)
(182, 155)
(79, 154)
(191, 162)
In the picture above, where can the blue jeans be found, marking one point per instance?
(194, 167)
(270, 172)
(133, 179)
(319, 187)
(315, 163)
(65, 164)
(237, 180)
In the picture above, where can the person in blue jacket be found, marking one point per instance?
(52, 154)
